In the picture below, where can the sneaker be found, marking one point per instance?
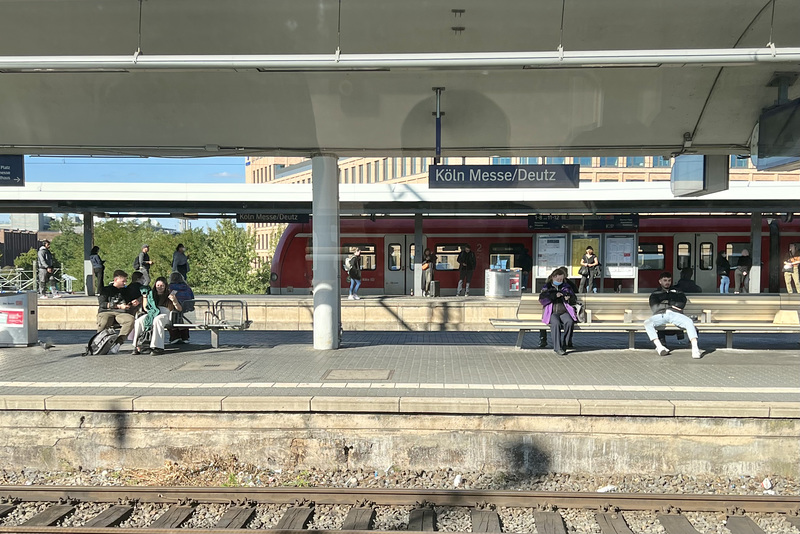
(356, 297)
(42, 296)
(543, 345)
(157, 351)
(466, 294)
(57, 296)
(114, 348)
(351, 297)
(663, 351)
(697, 354)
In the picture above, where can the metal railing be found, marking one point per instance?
(17, 279)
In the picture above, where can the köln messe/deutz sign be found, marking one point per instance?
(498, 176)
(272, 217)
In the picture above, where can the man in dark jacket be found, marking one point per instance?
(46, 265)
(115, 307)
(466, 266)
(667, 304)
(144, 262)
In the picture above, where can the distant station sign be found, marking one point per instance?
(272, 217)
(503, 176)
(583, 223)
(12, 171)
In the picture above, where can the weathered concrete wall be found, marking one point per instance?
(568, 444)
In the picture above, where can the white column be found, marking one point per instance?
(326, 251)
(419, 247)
(88, 243)
(755, 253)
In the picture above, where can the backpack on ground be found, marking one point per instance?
(101, 342)
(136, 264)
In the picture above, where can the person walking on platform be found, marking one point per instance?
(352, 264)
(742, 272)
(98, 269)
(589, 265)
(466, 267)
(114, 307)
(180, 261)
(428, 266)
(142, 264)
(558, 302)
(790, 269)
(724, 271)
(667, 304)
(46, 263)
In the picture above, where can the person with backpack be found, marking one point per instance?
(352, 264)
(180, 261)
(466, 266)
(142, 264)
(114, 307)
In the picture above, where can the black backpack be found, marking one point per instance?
(101, 342)
(136, 264)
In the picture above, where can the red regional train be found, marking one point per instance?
(632, 257)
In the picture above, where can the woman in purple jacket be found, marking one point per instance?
(558, 301)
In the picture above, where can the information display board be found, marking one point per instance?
(551, 253)
(620, 256)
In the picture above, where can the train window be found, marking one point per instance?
(706, 256)
(394, 258)
(684, 256)
(503, 255)
(412, 248)
(651, 257)
(734, 251)
(368, 256)
(447, 255)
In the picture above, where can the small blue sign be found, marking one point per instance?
(12, 171)
(503, 176)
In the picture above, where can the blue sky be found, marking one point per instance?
(213, 170)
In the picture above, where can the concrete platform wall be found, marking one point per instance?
(280, 313)
(66, 439)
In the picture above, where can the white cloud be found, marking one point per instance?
(224, 174)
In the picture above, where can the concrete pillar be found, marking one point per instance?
(88, 243)
(326, 251)
(755, 253)
(419, 247)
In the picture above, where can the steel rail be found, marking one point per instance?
(377, 62)
(406, 497)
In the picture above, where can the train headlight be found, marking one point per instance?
(273, 277)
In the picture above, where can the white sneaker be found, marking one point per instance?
(351, 297)
(57, 296)
(356, 297)
(697, 354)
(663, 351)
(42, 296)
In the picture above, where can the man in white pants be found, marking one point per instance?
(667, 304)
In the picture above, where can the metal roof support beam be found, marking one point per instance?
(325, 251)
(348, 62)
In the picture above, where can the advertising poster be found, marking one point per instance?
(11, 318)
(579, 244)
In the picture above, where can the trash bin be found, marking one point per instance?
(501, 283)
(18, 319)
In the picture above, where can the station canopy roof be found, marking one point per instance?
(248, 77)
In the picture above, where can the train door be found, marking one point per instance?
(698, 253)
(398, 273)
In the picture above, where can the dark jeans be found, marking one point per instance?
(557, 322)
(99, 279)
(587, 284)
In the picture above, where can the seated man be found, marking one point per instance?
(686, 284)
(667, 304)
(116, 308)
(134, 291)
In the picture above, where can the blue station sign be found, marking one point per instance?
(272, 217)
(503, 176)
(12, 171)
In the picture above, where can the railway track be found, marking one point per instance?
(47, 509)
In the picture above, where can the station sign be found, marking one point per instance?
(12, 171)
(272, 217)
(503, 176)
(583, 222)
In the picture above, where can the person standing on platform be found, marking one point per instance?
(790, 269)
(667, 304)
(184, 294)
(46, 263)
(98, 269)
(558, 302)
(526, 266)
(724, 271)
(142, 264)
(589, 264)
(466, 267)
(428, 266)
(180, 261)
(742, 272)
(352, 265)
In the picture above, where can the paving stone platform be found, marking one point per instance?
(431, 372)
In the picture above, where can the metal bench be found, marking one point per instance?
(743, 313)
(201, 314)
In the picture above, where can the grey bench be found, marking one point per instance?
(743, 313)
(201, 314)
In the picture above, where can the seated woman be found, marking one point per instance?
(558, 300)
(158, 304)
(183, 293)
